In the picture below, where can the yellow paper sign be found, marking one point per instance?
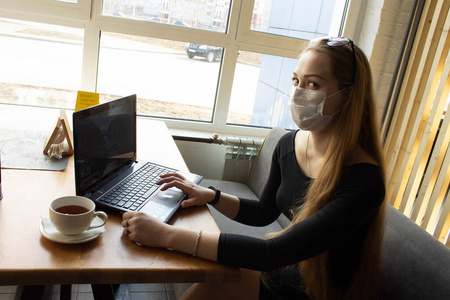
(86, 99)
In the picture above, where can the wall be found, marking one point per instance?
(382, 32)
(384, 26)
(202, 158)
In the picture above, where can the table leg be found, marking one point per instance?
(33, 292)
(66, 292)
(103, 291)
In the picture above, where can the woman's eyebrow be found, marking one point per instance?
(314, 75)
(309, 75)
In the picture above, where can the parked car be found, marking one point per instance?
(210, 53)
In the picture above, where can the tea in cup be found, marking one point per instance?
(74, 214)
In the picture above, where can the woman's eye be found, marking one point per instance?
(312, 85)
(295, 81)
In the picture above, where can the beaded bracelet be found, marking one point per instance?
(197, 243)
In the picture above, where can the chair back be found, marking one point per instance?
(261, 168)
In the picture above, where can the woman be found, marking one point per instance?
(327, 178)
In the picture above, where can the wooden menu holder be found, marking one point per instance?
(61, 134)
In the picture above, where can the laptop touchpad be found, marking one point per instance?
(169, 197)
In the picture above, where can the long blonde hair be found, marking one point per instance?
(356, 125)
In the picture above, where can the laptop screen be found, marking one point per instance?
(104, 141)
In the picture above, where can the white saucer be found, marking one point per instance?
(50, 232)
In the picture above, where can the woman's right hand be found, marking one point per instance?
(198, 195)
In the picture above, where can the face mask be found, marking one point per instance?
(306, 108)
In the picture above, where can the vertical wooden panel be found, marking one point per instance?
(400, 113)
(433, 109)
(421, 109)
(435, 158)
(417, 144)
(417, 72)
(437, 197)
(443, 225)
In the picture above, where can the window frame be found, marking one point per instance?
(87, 14)
(51, 8)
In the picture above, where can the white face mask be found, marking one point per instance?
(306, 107)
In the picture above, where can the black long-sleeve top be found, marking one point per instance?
(339, 226)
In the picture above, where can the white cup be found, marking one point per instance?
(74, 214)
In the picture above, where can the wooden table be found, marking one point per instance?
(28, 258)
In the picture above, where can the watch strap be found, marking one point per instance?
(216, 197)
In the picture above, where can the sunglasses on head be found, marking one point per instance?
(339, 41)
(342, 41)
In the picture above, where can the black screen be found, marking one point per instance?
(104, 141)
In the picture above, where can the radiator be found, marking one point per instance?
(239, 158)
(240, 154)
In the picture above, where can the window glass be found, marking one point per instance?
(261, 91)
(303, 19)
(40, 64)
(171, 79)
(208, 15)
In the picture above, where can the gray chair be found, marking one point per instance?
(415, 264)
(252, 190)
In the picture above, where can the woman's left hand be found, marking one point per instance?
(197, 195)
(144, 229)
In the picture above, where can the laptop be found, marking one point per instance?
(106, 168)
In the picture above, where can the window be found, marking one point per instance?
(41, 63)
(299, 19)
(52, 9)
(195, 14)
(162, 73)
(216, 65)
(265, 80)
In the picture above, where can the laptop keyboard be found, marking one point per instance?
(135, 190)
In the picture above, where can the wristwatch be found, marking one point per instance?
(217, 197)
